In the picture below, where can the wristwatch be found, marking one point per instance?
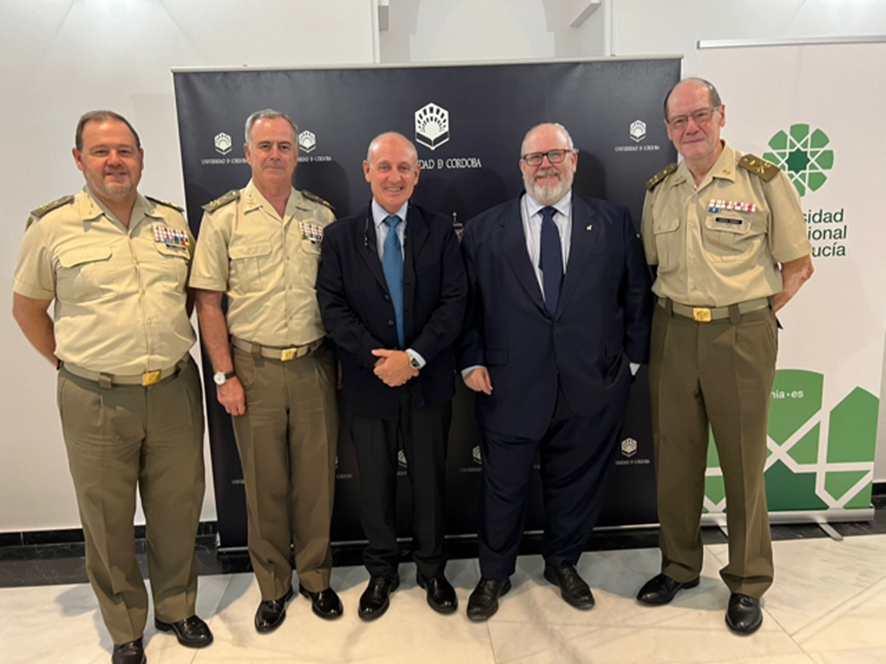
(414, 363)
(220, 377)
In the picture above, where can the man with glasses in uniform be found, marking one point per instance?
(260, 246)
(116, 264)
(727, 235)
(558, 321)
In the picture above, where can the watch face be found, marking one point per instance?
(219, 378)
(414, 363)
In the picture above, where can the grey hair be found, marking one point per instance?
(101, 116)
(378, 138)
(713, 95)
(542, 124)
(266, 114)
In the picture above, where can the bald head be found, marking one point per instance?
(391, 138)
(694, 84)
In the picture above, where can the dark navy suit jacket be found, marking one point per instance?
(358, 314)
(602, 322)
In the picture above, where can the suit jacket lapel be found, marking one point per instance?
(514, 245)
(584, 237)
(367, 247)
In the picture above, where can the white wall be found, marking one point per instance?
(61, 58)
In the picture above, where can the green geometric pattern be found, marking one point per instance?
(802, 155)
(806, 468)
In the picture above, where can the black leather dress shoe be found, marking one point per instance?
(377, 597)
(191, 632)
(325, 603)
(483, 602)
(661, 589)
(271, 614)
(441, 594)
(129, 653)
(744, 615)
(573, 588)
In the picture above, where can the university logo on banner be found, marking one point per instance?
(803, 155)
(431, 126)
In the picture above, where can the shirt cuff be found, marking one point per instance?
(418, 358)
(466, 371)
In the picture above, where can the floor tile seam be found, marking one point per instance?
(819, 624)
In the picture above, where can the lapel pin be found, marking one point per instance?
(590, 227)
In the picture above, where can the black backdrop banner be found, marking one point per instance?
(467, 123)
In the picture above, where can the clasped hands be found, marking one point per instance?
(393, 367)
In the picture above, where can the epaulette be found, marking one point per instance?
(230, 197)
(314, 197)
(652, 182)
(166, 203)
(759, 167)
(49, 207)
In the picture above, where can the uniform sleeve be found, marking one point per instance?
(209, 267)
(34, 276)
(787, 228)
(646, 230)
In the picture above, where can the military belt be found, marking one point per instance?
(146, 379)
(275, 352)
(708, 314)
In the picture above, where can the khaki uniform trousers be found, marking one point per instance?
(716, 373)
(124, 437)
(287, 442)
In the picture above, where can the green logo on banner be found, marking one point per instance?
(816, 459)
(803, 156)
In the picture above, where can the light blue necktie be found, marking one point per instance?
(551, 259)
(392, 263)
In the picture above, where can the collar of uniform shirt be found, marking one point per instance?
(563, 206)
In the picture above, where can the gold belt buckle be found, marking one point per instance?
(151, 378)
(288, 354)
(701, 314)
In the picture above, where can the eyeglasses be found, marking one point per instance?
(700, 117)
(554, 156)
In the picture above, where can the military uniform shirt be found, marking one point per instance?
(266, 265)
(119, 293)
(719, 244)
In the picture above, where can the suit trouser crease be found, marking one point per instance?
(576, 457)
(424, 433)
(123, 439)
(719, 374)
(287, 443)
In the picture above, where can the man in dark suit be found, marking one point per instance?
(392, 295)
(558, 321)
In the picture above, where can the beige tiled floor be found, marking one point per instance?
(828, 606)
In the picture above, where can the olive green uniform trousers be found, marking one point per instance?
(129, 437)
(287, 442)
(716, 374)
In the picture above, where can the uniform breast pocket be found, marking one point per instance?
(250, 267)
(728, 235)
(665, 230)
(84, 274)
(174, 261)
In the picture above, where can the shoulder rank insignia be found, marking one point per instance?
(759, 167)
(166, 203)
(314, 197)
(653, 182)
(49, 207)
(230, 197)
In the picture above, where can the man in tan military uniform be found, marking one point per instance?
(116, 264)
(260, 246)
(728, 237)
